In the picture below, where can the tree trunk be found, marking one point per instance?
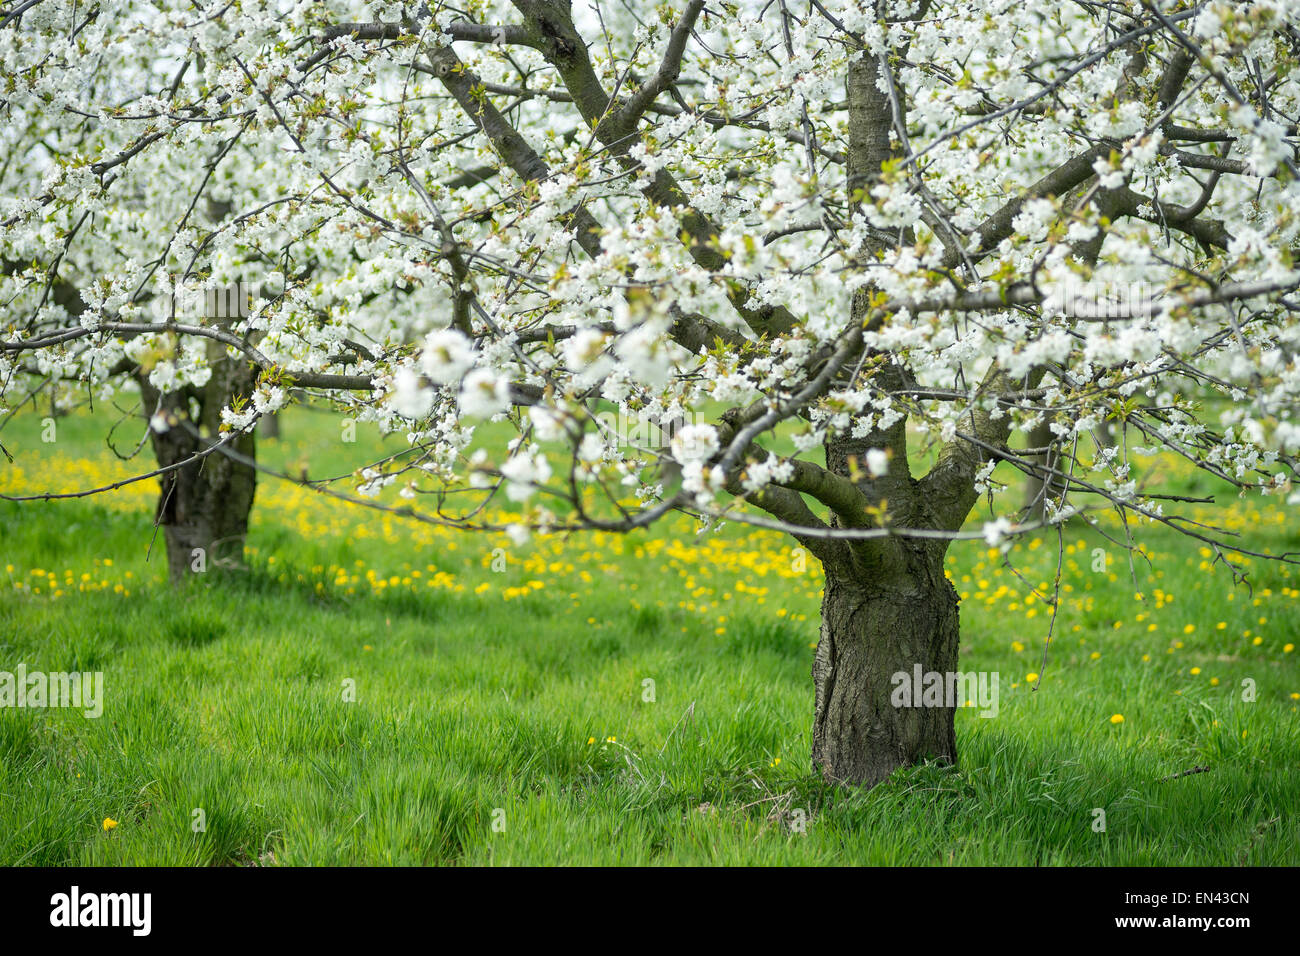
(204, 506)
(269, 426)
(887, 607)
(872, 630)
(1039, 491)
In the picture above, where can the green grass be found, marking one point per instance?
(468, 740)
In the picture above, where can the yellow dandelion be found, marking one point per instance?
(1117, 718)
(109, 823)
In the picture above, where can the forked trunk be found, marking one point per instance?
(873, 630)
(887, 606)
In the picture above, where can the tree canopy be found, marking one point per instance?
(897, 234)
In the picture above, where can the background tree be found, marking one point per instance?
(856, 248)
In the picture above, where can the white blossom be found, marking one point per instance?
(484, 393)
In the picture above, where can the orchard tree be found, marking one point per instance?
(855, 249)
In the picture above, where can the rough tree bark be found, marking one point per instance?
(876, 625)
(204, 506)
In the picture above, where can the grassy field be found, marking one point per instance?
(503, 717)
